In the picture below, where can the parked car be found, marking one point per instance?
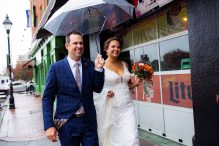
(4, 88)
(4, 91)
(19, 86)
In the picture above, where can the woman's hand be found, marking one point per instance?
(138, 81)
(110, 93)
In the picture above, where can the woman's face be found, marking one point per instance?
(114, 49)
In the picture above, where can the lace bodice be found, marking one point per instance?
(112, 78)
(119, 85)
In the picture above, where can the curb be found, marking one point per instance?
(3, 108)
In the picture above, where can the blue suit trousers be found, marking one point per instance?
(76, 131)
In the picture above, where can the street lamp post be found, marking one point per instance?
(7, 24)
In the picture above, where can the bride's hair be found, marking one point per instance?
(107, 42)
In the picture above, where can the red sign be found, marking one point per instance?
(177, 90)
(149, 92)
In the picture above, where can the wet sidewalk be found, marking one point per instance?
(24, 126)
(25, 122)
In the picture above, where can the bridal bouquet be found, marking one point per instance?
(143, 71)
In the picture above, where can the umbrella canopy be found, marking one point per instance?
(89, 16)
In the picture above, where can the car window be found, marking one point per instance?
(17, 84)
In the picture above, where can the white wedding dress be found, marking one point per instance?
(116, 115)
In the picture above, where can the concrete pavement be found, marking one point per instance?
(24, 126)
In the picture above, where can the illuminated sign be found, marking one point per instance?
(145, 6)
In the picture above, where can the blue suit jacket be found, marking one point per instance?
(60, 84)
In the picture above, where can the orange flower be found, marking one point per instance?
(144, 71)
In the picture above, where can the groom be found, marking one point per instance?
(71, 82)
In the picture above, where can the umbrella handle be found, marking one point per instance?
(105, 18)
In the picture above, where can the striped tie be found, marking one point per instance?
(77, 75)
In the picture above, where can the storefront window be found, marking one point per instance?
(151, 56)
(173, 19)
(126, 34)
(145, 30)
(128, 57)
(139, 55)
(173, 53)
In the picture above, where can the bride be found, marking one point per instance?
(115, 109)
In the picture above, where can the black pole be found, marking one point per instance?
(203, 44)
(11, 98)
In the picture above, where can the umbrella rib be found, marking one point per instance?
(93, 30)
(105, 18)
(82, 18)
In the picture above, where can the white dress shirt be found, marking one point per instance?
(72, 63)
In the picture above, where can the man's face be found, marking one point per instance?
(75, 47)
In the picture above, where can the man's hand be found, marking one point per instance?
(99, 62)
(51, 134)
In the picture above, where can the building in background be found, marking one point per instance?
(23, 69)
(158, 35)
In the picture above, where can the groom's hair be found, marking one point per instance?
(115, 38)
(67, 38)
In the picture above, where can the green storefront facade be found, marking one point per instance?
(46, 52)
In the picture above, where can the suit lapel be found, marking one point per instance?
(84, 73)
(68, 71)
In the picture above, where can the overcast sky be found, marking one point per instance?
(20, 36)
